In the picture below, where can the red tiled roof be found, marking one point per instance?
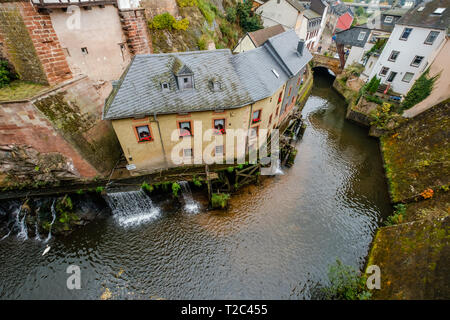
(344, 21)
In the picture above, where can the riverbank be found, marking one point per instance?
(413, 253)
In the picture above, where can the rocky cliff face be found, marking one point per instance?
(24, 165)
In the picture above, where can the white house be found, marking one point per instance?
(413, 44)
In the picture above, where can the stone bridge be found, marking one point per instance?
(330, 63)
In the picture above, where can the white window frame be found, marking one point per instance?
(392, 52)
(361, 35)
(404, 29)
(381, 74)
(390, 18)
(429, 34)
(412, 76)
(416, 65)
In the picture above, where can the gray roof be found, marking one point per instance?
(426, 18)
(310, 14)
(296, 4)
(350, 36)
(245, 78)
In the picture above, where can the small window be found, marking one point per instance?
(391, 76)
(143, 133)
(408, 76)
(394, 55)
(187, 153)
(219, 126)
(216, 86)
(185, 129)
(66, 52)
(405, 34)
(165, 86)
(417, 61)
(439, 11)
(278, 110)
(388, 19)
(270, 119)
(289, 93)
(279, 97)
(84, 50)
(431, 37)
(185, 80)
(293, 99)
(256, 117)
(219, 150)
(361, 35)
(384, 71)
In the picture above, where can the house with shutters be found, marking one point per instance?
(182, 95)
(417, 38)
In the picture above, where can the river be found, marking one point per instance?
(276, 241)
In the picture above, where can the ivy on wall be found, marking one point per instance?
(20, 47)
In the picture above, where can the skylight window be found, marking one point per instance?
(420, 9)
(439, 11)
(275, 73)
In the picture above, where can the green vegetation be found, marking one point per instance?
(187, 3)
(373, 85)
(20, 90)
(398, 215)
(5, 74)
(208, 10)
(197, 181)
(420, 90)
(377, 47)
(167, 21)
(99, 189)
(64, 214)
(346, 283)
(175, 188)
(248, 20)
(145, 186)
(219, 200)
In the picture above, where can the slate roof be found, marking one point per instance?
(244, 78)
(260, 36)
(310, 14)
(426, 18)
(350, 36)
(296, 4)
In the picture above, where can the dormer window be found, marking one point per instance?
(185, 82)
(216, 86)
(165, 86)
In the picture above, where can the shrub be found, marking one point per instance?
(219, 200)
(207, 10)
(5, 74)
(375, 99)
(187, 3)
(247, 19)
(182, 24)
(147, 187)
(201, 43)
(373, 85)
(197, 182)
(398, 215)
(346, 283)
(231, 14)
(420, 90)
(175, 188)
(162, 21)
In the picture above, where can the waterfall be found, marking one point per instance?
(277, 170)
(190, 205)
(23, 230)
(131, 208)
(52, 208)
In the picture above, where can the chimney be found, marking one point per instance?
(300, 46)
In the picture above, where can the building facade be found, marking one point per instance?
(412, 46)
(166, 105)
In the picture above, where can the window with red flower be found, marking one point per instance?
(279, 97)
(219, 126)
(143, 133)
(185, 129)
(256, 117)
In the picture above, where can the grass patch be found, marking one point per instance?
(20, 90)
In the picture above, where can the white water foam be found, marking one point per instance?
(132, 208)
(190, 205)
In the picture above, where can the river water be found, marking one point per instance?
(275, 242)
